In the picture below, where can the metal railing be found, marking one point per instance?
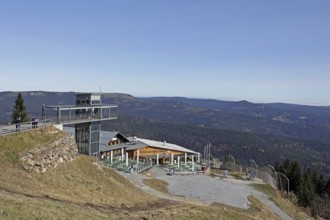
(70, 114)
(140, 167)
(25, 126)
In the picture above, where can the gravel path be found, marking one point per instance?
(202, 189)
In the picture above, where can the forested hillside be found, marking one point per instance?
(239, 116)
(265, 149)
(263, 132)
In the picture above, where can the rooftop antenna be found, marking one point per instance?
(100, 89)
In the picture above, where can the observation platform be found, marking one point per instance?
(71, 114)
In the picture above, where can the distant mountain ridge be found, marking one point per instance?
(239, 116)
(294, 121)
(300, 112)
(265, 132)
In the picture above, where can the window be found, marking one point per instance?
(96, 102)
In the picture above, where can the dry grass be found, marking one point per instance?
(257, 211)
(159, 185)
(14, 145)
(283, 203)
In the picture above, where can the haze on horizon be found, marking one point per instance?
(227, 50)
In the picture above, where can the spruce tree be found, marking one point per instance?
(327, 187)
(19, 110)
(286, 167)
(295, 177)
(320, 184)
(307, 191)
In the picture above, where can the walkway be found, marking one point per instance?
(204, 190)
(11, 128)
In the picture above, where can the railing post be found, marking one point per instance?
(287, 180)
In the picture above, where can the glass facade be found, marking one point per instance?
(83, 138)
(95, 137)
(88, 134)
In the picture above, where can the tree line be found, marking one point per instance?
(264, 149)
(310, 187)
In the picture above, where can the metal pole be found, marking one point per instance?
(255, 165)
(209, 154)
(204, 155)
(69, 114)
(58, 114)
(287, 180)
(273, 170)
(234, 161)
(275, 175)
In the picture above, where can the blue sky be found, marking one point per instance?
(255, 50)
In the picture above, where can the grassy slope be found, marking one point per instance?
(69, 189)
(82, 190)
(285, 204)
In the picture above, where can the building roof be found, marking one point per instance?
(106, 136)
(159, 144)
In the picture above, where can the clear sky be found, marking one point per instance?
(255, 50)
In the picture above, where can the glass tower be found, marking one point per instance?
(88, 133)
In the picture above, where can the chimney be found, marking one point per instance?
(134, 139)
(164, 142)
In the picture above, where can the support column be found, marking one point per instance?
(126, 159)
(58, 114)
(178, 161)
(122, 154)
(157, 159)
(172, 158)
(198, 157)
(137, 156)
(192, 163)
(111, 157)
(185, 158)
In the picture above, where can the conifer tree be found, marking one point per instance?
(295, 177)
(327, 187)
(286, 167)
(19, 110)
(320, 183)
(307, 191)
(278, 166)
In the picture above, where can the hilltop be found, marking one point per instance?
(80, 185)
(81, 189)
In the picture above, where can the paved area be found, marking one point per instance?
(202, 189)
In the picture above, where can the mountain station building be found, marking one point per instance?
(115, 144)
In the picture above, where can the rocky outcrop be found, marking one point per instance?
(40, 159)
